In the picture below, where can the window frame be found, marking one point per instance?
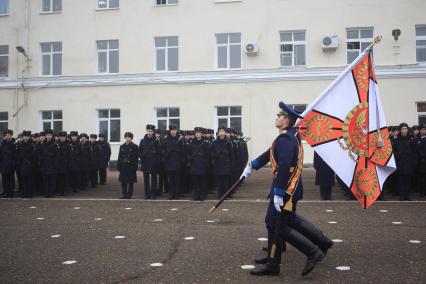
(359, 39)
(50, 53)
(108, 50)
(51, 7)
(228, 49)
(293, 43)
(420, 38)
(228, 117)
(7, 57)
(166, 118)
(8, 9)
(154, 2)
(5, 121)
(108, 119)
(52, 120)
(166, 53)
(108, 6)
(420, 113)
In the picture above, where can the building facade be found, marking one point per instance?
(114, 66)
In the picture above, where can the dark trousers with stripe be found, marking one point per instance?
(150, 185)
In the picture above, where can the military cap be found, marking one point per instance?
(422, 126)
(128, 134)
(221, 127)
(285, 109)
(8, 131)
(150, 127)
(172, 127)
(415, 127)
(101, 135)
(49, 131)
(26, 133)
(157, 131)
(403, 125)
(62, 134)
(36, 135)
(42, 133)
(74, 133)
(94, 136)
(198, 129)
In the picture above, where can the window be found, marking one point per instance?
(50, 6)
(4, 7)
(4, 121)
(4, 60)
(108, 56)
(51, 120)
(109, 124)
(292, 48)
(108, 4)
(228, 51)
(52, 58)
(357, 40)
(421, 111)
(421, 43)
(165, 2)
(166, 52)
(166, 116)
(229, 116)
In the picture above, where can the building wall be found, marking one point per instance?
(198, 87)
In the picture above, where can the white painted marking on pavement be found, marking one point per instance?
(128, 208)
(328, 210)
(225, 209)
(158, 220)
(40, 218)
(337, 241)
(156, 264)
(69, 262)
(33, 207)
(262, 239)
(415, 241)
(210, 221)
(55, 236)
(332, 222)
(248, 266)
(189, 238)
(397, 223)
(98, 219)
(119, 237)
(343, 268)
(383, 211)
(76, 208)
(173, 209)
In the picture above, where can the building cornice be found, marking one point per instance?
(210, 77)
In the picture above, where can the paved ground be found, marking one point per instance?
(375, 249)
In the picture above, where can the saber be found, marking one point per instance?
(237, 183)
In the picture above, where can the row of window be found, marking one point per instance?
(55, 6)
(228, 51)
(109, 124)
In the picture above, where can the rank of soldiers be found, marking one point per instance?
(173, 162)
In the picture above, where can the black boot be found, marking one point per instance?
(272, 265)
(307, 247)
(313, 234)
(263, 259)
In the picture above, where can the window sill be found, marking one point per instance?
(106, 9)
(4, 15)
(106, 74)
(228, 69)
(226, 1)
(50, 12)
(164, 5)
(50, 76)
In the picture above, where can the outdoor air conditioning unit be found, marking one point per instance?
(252, 49)
(330, 42)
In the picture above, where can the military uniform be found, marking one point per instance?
(127, 164)
(48, 157)
(63, 163)
(27, 161)
(286, 158)
(173, 158)
(421, 156)
(75, 161)
(8, 164)
(324, 177)
(150, 155)
(85, 160)
(198, 159)
(93, 165)
(222, 159)
(104, 157)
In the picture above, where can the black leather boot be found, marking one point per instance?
(271, 266)
(312, 233)
(263, 258)
(307, 247)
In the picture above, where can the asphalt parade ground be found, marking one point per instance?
(92, 237)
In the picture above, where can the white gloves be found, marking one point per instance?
(247, 171)
(278, 202)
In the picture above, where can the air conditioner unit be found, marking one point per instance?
(330, 42)
(252, 49)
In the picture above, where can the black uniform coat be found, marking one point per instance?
(63, 157)
(104, 154)
(75, 151)
(324, 174)
(222, 157)
(27, 158)
(48, 157)
(7, 156)
(173, 154)
(403, 150)
(93, 161)
(198, 157)
(127, 163)
(150, 153)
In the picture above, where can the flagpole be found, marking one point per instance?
(377, 39)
